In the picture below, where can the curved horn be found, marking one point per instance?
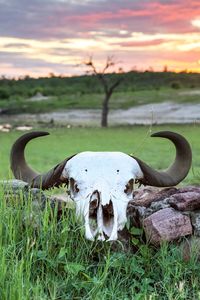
(177, 171)
(21, 170)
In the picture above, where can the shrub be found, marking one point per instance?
(4, 94)
(175, 85)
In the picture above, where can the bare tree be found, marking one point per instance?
(107, 86)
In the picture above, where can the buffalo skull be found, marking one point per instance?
(102, 183)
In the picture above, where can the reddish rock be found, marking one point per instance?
(189, 188)
(185, 201)
(166, 225)
(147, 195)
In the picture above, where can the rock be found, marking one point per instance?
(147, 195)
(195, 219)
(14, 190)
(136, 214)
(144, 196)
(23, 128)
(189, 188)
(62, 198)
(62, 201)
(155, 206)
(185, 201)
(166, 225)
(37, 196)
(17, 189)
(14, 185)
(5, 127)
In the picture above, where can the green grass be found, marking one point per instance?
(51, 259)
(119, 100)
(54, 261)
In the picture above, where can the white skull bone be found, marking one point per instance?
(99, 185)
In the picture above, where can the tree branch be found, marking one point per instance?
(115, 84)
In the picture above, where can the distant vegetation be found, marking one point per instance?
(86, 92)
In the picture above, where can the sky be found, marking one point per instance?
(39, 37)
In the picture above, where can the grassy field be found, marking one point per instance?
(43, 153)
(54, 261)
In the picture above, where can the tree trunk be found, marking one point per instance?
(105, 109)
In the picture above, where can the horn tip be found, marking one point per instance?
(164, 134)
(40, 133)
(43, 132)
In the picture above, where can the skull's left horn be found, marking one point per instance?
(22, 171)
(177, 171)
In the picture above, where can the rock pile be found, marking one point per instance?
(166, 214)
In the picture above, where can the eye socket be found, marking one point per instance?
(129, 187)
(73, 185)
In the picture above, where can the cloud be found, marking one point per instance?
(196, 23)
(142, 43)
(59, 33)
(63, 19)
(22, 65)
(16, 45)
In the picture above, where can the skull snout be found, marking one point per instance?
(101, 214)
(97, 199)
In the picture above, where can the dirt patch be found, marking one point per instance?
(38, 97)
(190, 93)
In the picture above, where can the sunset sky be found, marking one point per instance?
(38, 37)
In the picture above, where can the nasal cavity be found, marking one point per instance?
(108, 208)
(94, 200)
(108, 215)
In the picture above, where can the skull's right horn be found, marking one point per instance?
(177, 171)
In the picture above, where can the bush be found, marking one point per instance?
(4, 94)
(175, 85)
(36, 91)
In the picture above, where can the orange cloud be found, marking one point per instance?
(142, 43)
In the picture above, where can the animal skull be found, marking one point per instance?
(102, 183)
